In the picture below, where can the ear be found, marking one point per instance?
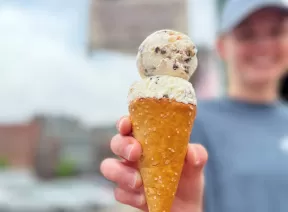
(220, 47)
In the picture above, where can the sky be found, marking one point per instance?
(44, 67)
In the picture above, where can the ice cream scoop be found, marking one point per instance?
(167, 52)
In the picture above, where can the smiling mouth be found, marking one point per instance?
(262, 62)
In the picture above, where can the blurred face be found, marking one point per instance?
(253, 51)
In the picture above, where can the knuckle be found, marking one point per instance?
(117, 195)
(110, 170)
(102, 166)
(121, 195)
(115, 143)
(142, 201)
(114, 139)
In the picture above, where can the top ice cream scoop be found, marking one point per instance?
(167, 52)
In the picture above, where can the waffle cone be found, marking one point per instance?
(163, 128)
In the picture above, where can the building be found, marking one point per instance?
(101, 137)
(18, 142)
(123, 24)
(63, 140)
(47, 142)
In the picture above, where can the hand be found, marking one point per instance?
(124, 173)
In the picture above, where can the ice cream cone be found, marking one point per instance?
(163, 128)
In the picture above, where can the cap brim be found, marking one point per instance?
(245, 12)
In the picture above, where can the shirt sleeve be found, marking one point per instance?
(199, 136)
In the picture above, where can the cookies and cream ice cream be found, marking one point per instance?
(163, 87)
(167, 52)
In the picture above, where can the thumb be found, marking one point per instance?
(191, 185)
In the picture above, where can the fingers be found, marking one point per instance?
(122, 175)
(197, 156)
(123, 145)
(124, 125)
(126, 147)
(129, 190)
(133, 199)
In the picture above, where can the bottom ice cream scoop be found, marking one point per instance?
(167, 52)
(166, 87)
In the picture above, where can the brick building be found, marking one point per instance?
(44, 142)
(18, 143)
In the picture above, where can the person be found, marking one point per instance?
(245, 132)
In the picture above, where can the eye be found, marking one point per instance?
(276, 31)
(244, 34)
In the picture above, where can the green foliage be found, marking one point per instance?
(3, 163)
(66, 168)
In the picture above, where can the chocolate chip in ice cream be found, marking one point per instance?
(165, 96)
(175, 66)
(188, 53)
(157, 49)
(187, 60)
(147, 74)
(186, 69)
(163, 51)
(156, 80)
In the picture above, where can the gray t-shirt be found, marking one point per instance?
(247, 170)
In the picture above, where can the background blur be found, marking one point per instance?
(65, 70)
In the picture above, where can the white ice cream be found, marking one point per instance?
(163, 87)
(167, 52)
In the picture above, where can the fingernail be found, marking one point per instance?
(196, 151)
(136, 178)
(128, 150)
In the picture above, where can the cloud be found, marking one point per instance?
(42, 71)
